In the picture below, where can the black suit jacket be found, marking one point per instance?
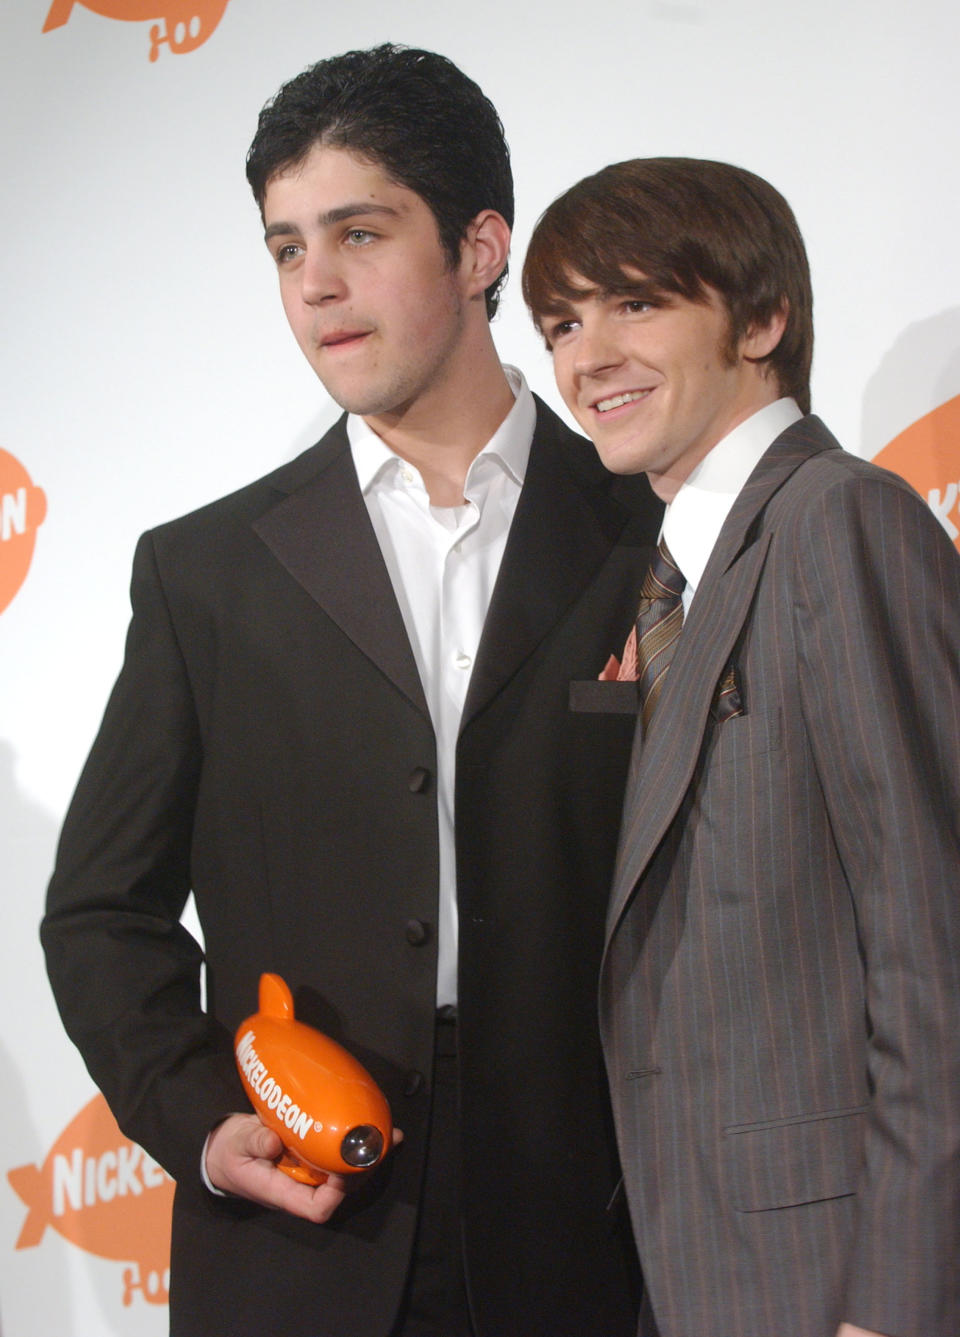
(268, 746)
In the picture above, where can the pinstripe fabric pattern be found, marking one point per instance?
(780, 992)
(659, 622)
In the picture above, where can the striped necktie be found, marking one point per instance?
(659, 620)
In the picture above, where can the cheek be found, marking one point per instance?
(563, 376)
(424, 317)
(293, 310)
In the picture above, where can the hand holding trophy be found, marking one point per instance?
(328, 1112)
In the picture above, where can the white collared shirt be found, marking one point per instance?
(693, 520)
(443, 563)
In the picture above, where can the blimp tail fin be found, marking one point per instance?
(276, 999)
(60, 11)
(29, 1184)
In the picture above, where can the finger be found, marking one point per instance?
(262, 1143)
(262, 1182)
(241, 1158)
(312, 1203)
(238, 1151)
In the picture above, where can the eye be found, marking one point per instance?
(359, 236)
(289, 251)
(637, 306)
(559, 331)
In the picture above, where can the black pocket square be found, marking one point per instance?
(728, 702)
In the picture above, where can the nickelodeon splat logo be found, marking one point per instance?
(104, 1194)
(182, 24)
(23, 509)
(927, 455)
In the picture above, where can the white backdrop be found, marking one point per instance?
(147, 368)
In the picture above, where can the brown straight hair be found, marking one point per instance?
(686, 224)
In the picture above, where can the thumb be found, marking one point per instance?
(264, 1143)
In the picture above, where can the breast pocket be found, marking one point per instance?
(742, 738)
(592, 697)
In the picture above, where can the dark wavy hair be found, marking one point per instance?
(686, 224)
(412, 113)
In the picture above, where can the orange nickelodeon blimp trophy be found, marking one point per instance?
(327, 1110)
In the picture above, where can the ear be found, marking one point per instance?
(484, 251)
(760, 340)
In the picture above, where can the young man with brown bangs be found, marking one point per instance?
(343, 722)
(780, 991)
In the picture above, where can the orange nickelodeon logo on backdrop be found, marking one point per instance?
(927, 455)
(23, 509)
(104, 1194)
(183, 24)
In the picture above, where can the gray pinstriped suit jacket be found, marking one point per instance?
(780, 993)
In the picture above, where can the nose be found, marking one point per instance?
(321, 279)
(596, 352)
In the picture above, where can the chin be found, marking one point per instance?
(619, 462)
(371, 401)
(622, 467)
(352, 400)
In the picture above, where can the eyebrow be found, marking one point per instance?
(643, 289)
(562, 303)
(353, 209)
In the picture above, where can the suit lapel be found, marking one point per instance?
(661, 769)
(565, 525)
(321, 533)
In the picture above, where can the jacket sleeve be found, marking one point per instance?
(125, 973)
(878, 630)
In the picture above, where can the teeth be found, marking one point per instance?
(604, 405)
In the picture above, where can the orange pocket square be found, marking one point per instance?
(625, 670)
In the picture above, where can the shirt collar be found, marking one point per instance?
(509, 446)
(694, 519)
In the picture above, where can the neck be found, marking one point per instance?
(443, 430)
(666, 485)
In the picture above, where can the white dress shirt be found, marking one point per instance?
(693, 520)
(443, 562)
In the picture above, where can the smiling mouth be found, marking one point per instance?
(618, 401)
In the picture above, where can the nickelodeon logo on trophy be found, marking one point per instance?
(103, 1193)
(182, 24)
(23, 509)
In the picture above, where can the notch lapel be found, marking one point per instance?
(320, 531)
(661, 771)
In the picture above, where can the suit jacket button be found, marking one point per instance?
(413, 1083)
(419, 780)
(417, 932)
